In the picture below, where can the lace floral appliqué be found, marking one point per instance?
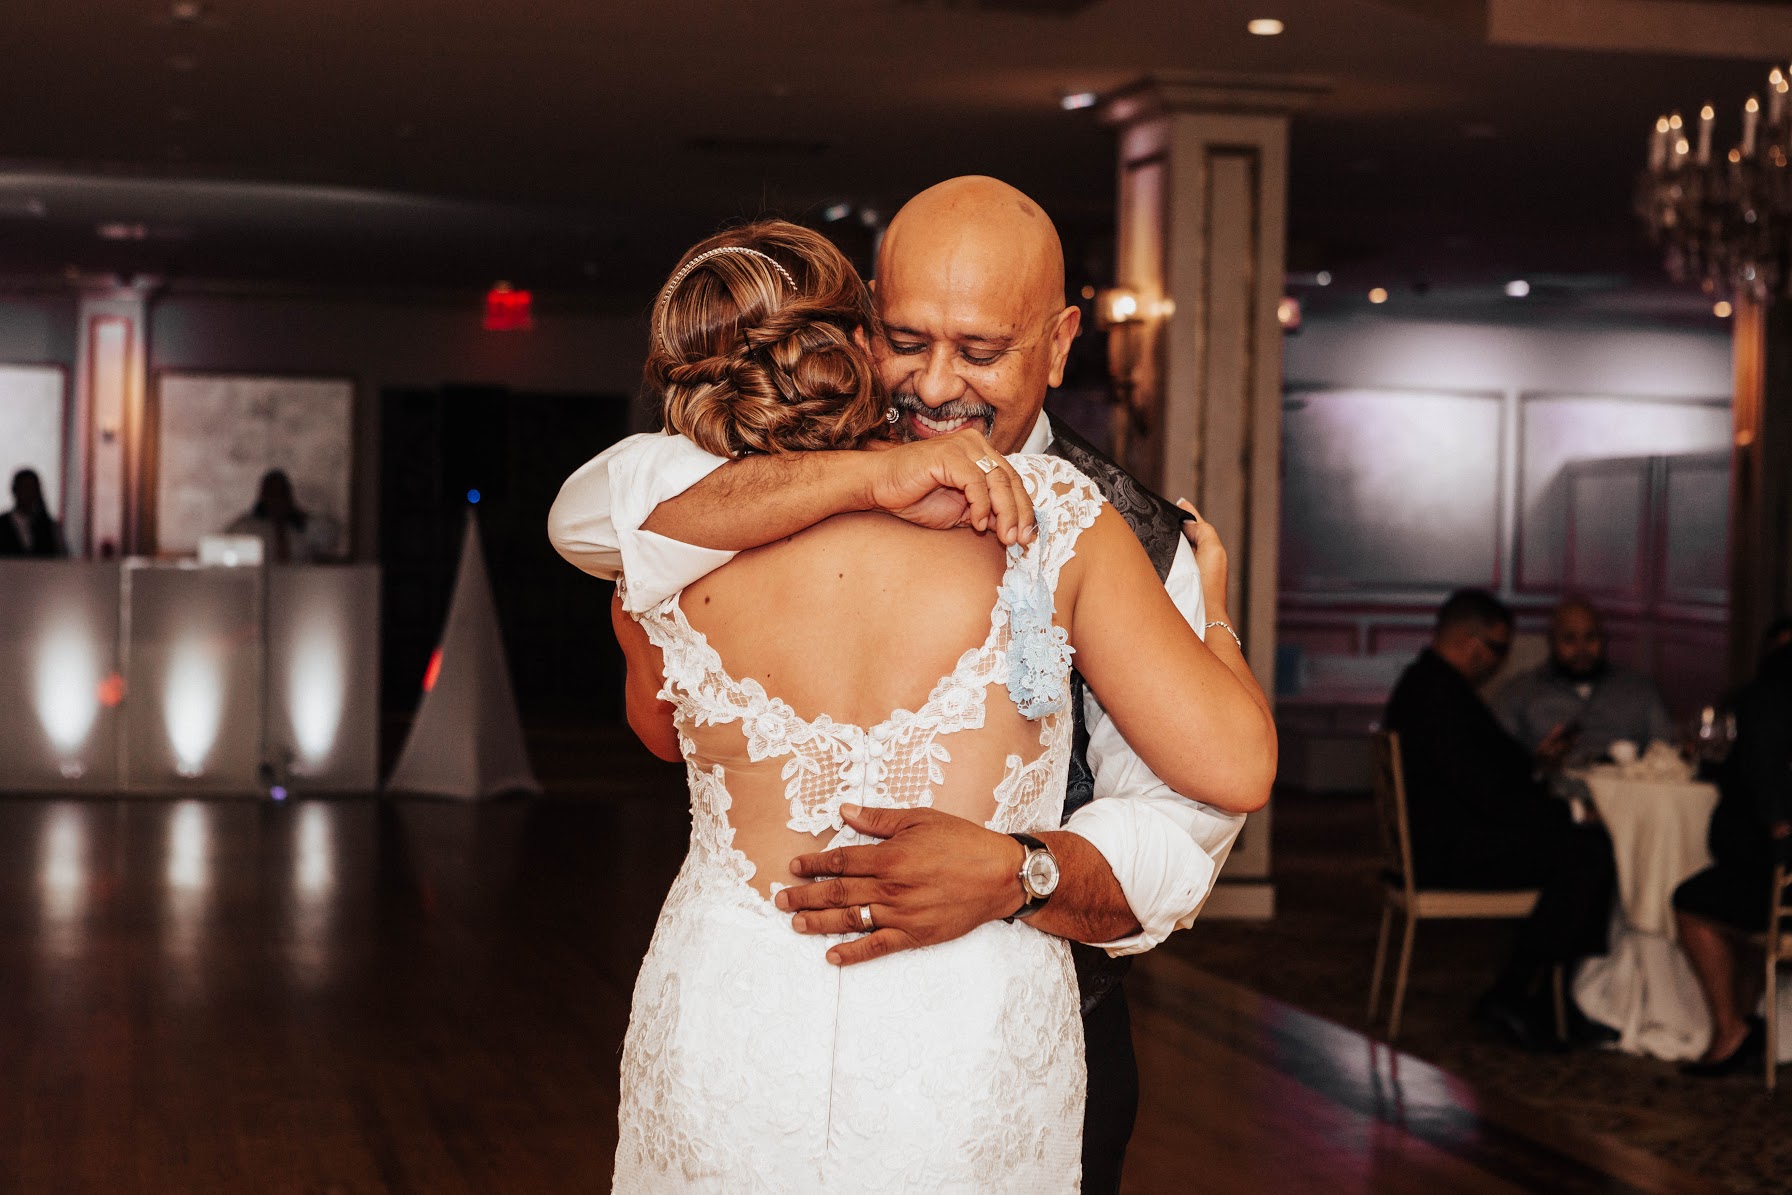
(1038, 652)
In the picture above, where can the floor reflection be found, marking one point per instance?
(186, 894)
(313, 892)
(320, 995)
(370, 995)
(62, 879)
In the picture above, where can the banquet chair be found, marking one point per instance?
(1401, 892)
(1779, 954)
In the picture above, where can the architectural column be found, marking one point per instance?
(1760, 479)
(1202, 213)
(107, 447)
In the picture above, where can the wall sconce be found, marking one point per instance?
(1128, 318)
(1116, 305)
(1288, 314)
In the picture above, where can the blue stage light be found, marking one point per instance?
(473, 497)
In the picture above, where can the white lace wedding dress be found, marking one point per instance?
(751, 1063)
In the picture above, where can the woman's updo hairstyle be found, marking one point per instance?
(753, 346)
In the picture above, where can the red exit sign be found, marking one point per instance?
(508, 309)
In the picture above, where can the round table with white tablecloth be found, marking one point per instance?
(1644, 987)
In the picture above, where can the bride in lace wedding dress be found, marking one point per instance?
(864, 661)
(751, 1063)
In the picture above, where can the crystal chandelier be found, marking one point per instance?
(1724, 221)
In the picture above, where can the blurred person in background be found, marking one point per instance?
(28, 529)
(289, 534)
(1751, 831)
(1570, 709)
(1481, 819)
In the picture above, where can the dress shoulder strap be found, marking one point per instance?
(1065, 502)
(695, 680)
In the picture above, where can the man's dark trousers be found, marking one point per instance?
(1113, 1093)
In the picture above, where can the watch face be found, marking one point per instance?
(1041, 874)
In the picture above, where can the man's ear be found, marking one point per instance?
(1069, 321)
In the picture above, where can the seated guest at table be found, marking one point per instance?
(1481, 819)
(28, 529)
(1751, 830)
(1576, 704)
(289, 535)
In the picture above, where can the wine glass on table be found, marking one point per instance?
(1713, 737)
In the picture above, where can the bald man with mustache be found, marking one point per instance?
(974, 331)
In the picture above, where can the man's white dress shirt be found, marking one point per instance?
(1164, 849)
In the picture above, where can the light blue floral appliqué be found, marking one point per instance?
(1038, 652)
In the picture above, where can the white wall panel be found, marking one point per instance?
(218, 433)
(1390, 490)
(323, 677)
(58, 658)
(192, 670)
(32, 427)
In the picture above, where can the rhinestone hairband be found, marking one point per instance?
(687, 267)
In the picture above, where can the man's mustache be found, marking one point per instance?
(957, 408)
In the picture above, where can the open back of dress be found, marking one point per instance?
(751, 1063)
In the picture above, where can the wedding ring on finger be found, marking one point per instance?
(865, 922)
(987, 464)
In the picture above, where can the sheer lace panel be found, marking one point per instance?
(750, 752)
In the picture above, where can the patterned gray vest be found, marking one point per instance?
(1158, 524)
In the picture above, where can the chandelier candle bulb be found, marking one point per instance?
(1725, 226)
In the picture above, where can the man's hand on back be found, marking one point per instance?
(935, 878)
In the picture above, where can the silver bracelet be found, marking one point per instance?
(1227, 627)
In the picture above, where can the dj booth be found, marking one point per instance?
(148, 676)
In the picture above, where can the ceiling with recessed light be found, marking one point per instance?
(577, 146)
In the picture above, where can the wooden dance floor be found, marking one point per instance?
(407, 996)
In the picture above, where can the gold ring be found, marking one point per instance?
(865, 922)
(986, 464)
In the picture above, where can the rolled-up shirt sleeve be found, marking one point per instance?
(1165, 850)
(595, 523)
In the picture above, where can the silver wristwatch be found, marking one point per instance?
(1038, 875)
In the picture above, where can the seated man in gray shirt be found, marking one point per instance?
(1571, 708)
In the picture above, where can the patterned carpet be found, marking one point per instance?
(1316, 954)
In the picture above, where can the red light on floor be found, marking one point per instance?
(434, 670)
(111, 691)
(508, 309)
